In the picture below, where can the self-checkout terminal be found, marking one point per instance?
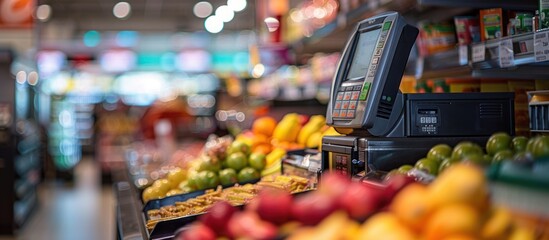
(384, 128)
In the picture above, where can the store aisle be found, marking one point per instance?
(81, 211)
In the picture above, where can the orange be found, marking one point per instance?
(459, 183)
(262, 148)
(411, 207)
(264, 125)
(385, 226)
(259, 139)
(451, 220)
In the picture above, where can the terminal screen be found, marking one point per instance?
(363, 54)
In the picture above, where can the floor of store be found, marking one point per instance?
(83, 210)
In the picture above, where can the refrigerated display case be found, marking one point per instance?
(20, 142)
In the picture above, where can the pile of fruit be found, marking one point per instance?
(274, 213)
(293, 132)
(252, 154)
(499, 147)
(224, 162)
(455, 206)
(237, 195)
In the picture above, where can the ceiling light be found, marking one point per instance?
(202, 9)
(92, 38)
(225, 13)
(296, 15)
(122, 10)
(272, 24)
(237, 5)
(21, 77)
(258, 70)
(213, 24)
(33, 78)
(43, 12)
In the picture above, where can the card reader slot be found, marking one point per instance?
(427, 111)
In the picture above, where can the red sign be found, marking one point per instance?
(16, 13)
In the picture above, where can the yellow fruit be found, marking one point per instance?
(264, 126)
(176, 176)
(305, 233)
(498, 225)
(288, 128)
(385, 226)
(460, 183)
(314, 125)
(163, 185)
(460, 237)
(174, 192)
(335, 226)
(522, 233)
(314, 140)
(455, 219)
(271, 170)
(411, 207)
(151, 193)
(275, 156)
(330, 132)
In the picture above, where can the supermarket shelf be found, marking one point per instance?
(443, 64)
(537, 71)
(446, 64)
(506, 4)
(525, 67)
(333, 36)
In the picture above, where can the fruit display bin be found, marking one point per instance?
(538, 108)
(304, 163)
(169, 228)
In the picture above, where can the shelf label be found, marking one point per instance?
(463, 55)
(479, 53)
(541, 46)
(506, 54)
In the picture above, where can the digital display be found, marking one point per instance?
(363, 54)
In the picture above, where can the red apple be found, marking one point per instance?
(218, 216)
(360, 200)
(274, 205)
(311, 208)
(303, 119)
(248, 225)
(333, 184)
(197, 231)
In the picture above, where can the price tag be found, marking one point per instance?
(463, 55)
(506, 54)
(479, 53)
(541, 46)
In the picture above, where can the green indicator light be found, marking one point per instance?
(389, 99)
(386, 25)
(364, 92)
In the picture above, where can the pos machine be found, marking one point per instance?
(385, 128)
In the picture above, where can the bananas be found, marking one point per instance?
(314, 125)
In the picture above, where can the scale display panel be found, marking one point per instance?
(366, 83)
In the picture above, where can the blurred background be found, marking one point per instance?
(87, 83)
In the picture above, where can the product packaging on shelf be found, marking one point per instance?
(491, 23)
(544, 14)
(524, 20)
(436, 37)
(467, 29)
